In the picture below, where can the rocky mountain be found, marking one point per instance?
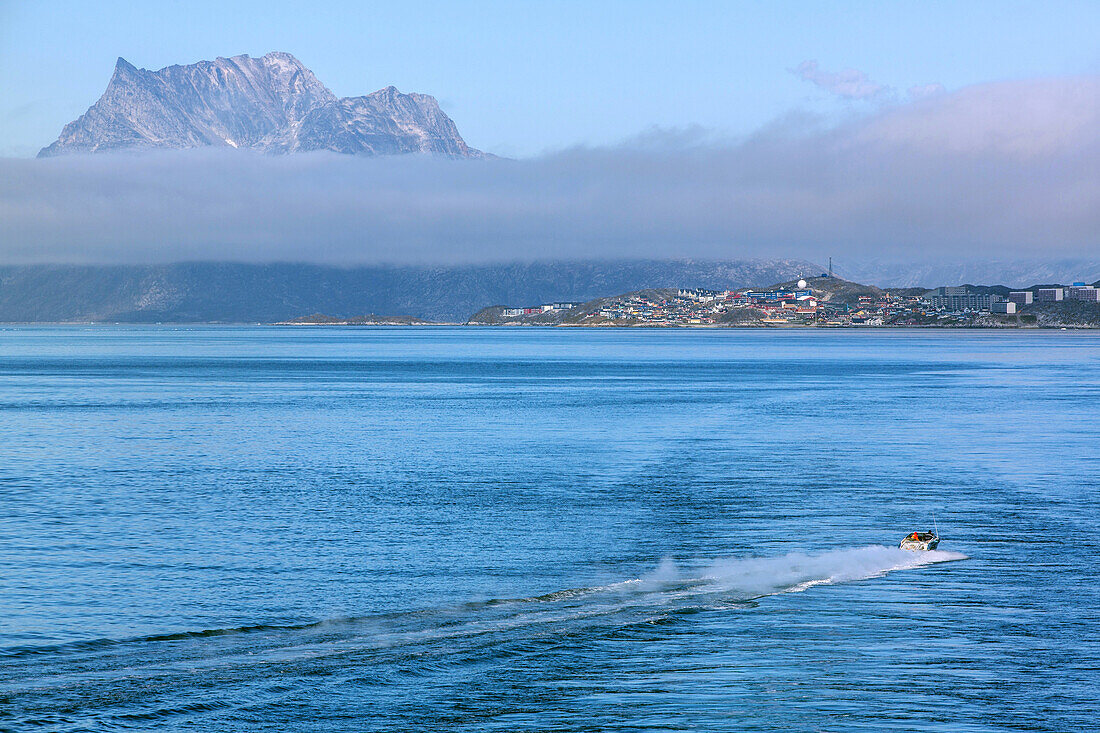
(224, 292)
(272, 104)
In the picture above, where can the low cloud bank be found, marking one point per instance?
(1006, 170)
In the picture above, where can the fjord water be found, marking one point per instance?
(330, 529)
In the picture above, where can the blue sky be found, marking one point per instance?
(522, 78)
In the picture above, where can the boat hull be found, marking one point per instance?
(919, 545)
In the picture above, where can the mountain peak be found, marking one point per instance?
(282, 56)
(273, 104)
(124, 67)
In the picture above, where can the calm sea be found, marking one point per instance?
(343, 529)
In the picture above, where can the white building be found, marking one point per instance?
(701, 295)
(1047, 295)
(1022, 297)
(956, 299)
(1083, 292)
(1005, 306)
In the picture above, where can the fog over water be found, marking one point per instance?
(1004, 170)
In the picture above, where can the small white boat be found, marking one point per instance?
(920, 541)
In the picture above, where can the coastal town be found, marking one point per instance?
(819, 301)
(822, 301)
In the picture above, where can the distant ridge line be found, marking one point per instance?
(249, 293)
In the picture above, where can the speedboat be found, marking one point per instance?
(920, 541)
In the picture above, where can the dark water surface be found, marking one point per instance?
(321, 529)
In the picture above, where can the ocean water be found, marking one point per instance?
(326, 529)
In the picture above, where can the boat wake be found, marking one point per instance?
(750, 579)
(763, 576)
(242, 661)
(728, 581)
